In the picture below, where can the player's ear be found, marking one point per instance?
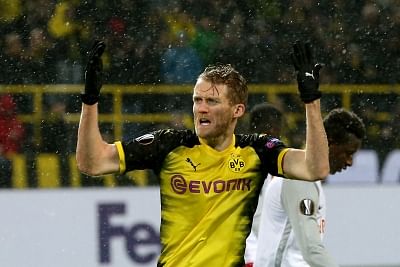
(239, 110)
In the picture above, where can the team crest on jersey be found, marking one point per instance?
(236, 163)
(307, 207)
(145, 139)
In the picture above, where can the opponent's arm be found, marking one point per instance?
(94, 156)
(312, 163)
(300, 201)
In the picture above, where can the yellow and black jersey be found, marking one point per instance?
(208, 197)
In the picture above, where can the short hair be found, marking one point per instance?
(340, 123)
(265, 118)
(226, 74)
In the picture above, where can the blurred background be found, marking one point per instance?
(155, 51)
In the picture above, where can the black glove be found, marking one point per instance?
(93, 74)
(307, 72)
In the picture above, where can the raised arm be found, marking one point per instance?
(311, 163)
(94, 156)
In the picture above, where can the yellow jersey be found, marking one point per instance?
(208, 197)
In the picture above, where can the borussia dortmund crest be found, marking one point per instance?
(236, 163)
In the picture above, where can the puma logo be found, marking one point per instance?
(310, 75)
(192, 164)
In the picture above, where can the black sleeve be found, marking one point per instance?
(269, 149)
(149, 150)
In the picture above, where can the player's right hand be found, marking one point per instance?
(307, 72)
(93, 74)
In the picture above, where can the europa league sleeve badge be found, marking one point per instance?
(307, 207)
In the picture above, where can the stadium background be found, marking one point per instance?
(42, 58)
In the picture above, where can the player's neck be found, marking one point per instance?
(219, 143)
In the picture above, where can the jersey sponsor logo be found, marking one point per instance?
(236, 164)
(307, 207)
(192, 164)
(145, 139)
(272, 143)
(180, 185)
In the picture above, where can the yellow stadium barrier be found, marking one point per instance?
(74, 174)
(19, 172)
(139, 177)
(109, 180)
(48, 170)
(48, 165)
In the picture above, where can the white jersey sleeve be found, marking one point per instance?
(289, 233)
(301, 201)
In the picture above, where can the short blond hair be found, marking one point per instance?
(226, 74)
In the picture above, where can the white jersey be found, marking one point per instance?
(291, 225)
(251, 241)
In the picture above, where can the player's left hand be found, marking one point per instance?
(307, 72)
(93, 74)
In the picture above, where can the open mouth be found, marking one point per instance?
(204, 121)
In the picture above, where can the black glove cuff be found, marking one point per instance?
(89, 99)
(310, 97)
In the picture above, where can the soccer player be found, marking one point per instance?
(293, 212)
(209, 179)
